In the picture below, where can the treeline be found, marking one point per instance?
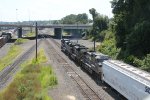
(69, 19)
(74, 19)
(127, 36)
(132, 31)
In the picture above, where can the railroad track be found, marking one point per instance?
(7, 73)
(87, 91)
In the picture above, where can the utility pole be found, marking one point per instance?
(77, 32)
(94, 41)
(36, 31)
(62, 30)
(95, 32)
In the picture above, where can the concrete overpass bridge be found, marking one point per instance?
(57, 27)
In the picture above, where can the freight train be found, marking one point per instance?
(4, 37)
(132, 83)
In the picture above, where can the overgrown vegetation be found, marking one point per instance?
(108, 46)
(32, 82)
(12, 53)
(31, 34)
(127, 36)
(20, 41)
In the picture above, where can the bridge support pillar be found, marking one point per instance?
(58, 33)
(30, 29)
(19, 32)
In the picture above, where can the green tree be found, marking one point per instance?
(69, 19)
(82, 18)
(100, 23)
(132, 19)
(74, 19)
(93, 13)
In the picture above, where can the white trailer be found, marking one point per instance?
(132, 83)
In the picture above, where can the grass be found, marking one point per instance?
(12, 53)
(65, 33)
(20, 41)
(31, 34)
(45, 77)
(32, 82)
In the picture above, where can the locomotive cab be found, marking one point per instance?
(69, 46)
(97, 60)
(66, 46)
(80, 50)
(63, 48)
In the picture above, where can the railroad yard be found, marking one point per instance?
(75, 78)
(75, 50)
(74, 83)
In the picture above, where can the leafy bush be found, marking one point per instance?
(143, 64)
(48, 79)
(146, 63)
(20, 41)
(108, 46)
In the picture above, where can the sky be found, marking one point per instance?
(25, 10)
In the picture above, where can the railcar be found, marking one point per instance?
(132, 83)
(2, 42)
(4, 37)
(9, 35)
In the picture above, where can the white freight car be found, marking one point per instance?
(132, 83)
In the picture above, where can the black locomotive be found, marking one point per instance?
(89, 60)
(114, 73)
